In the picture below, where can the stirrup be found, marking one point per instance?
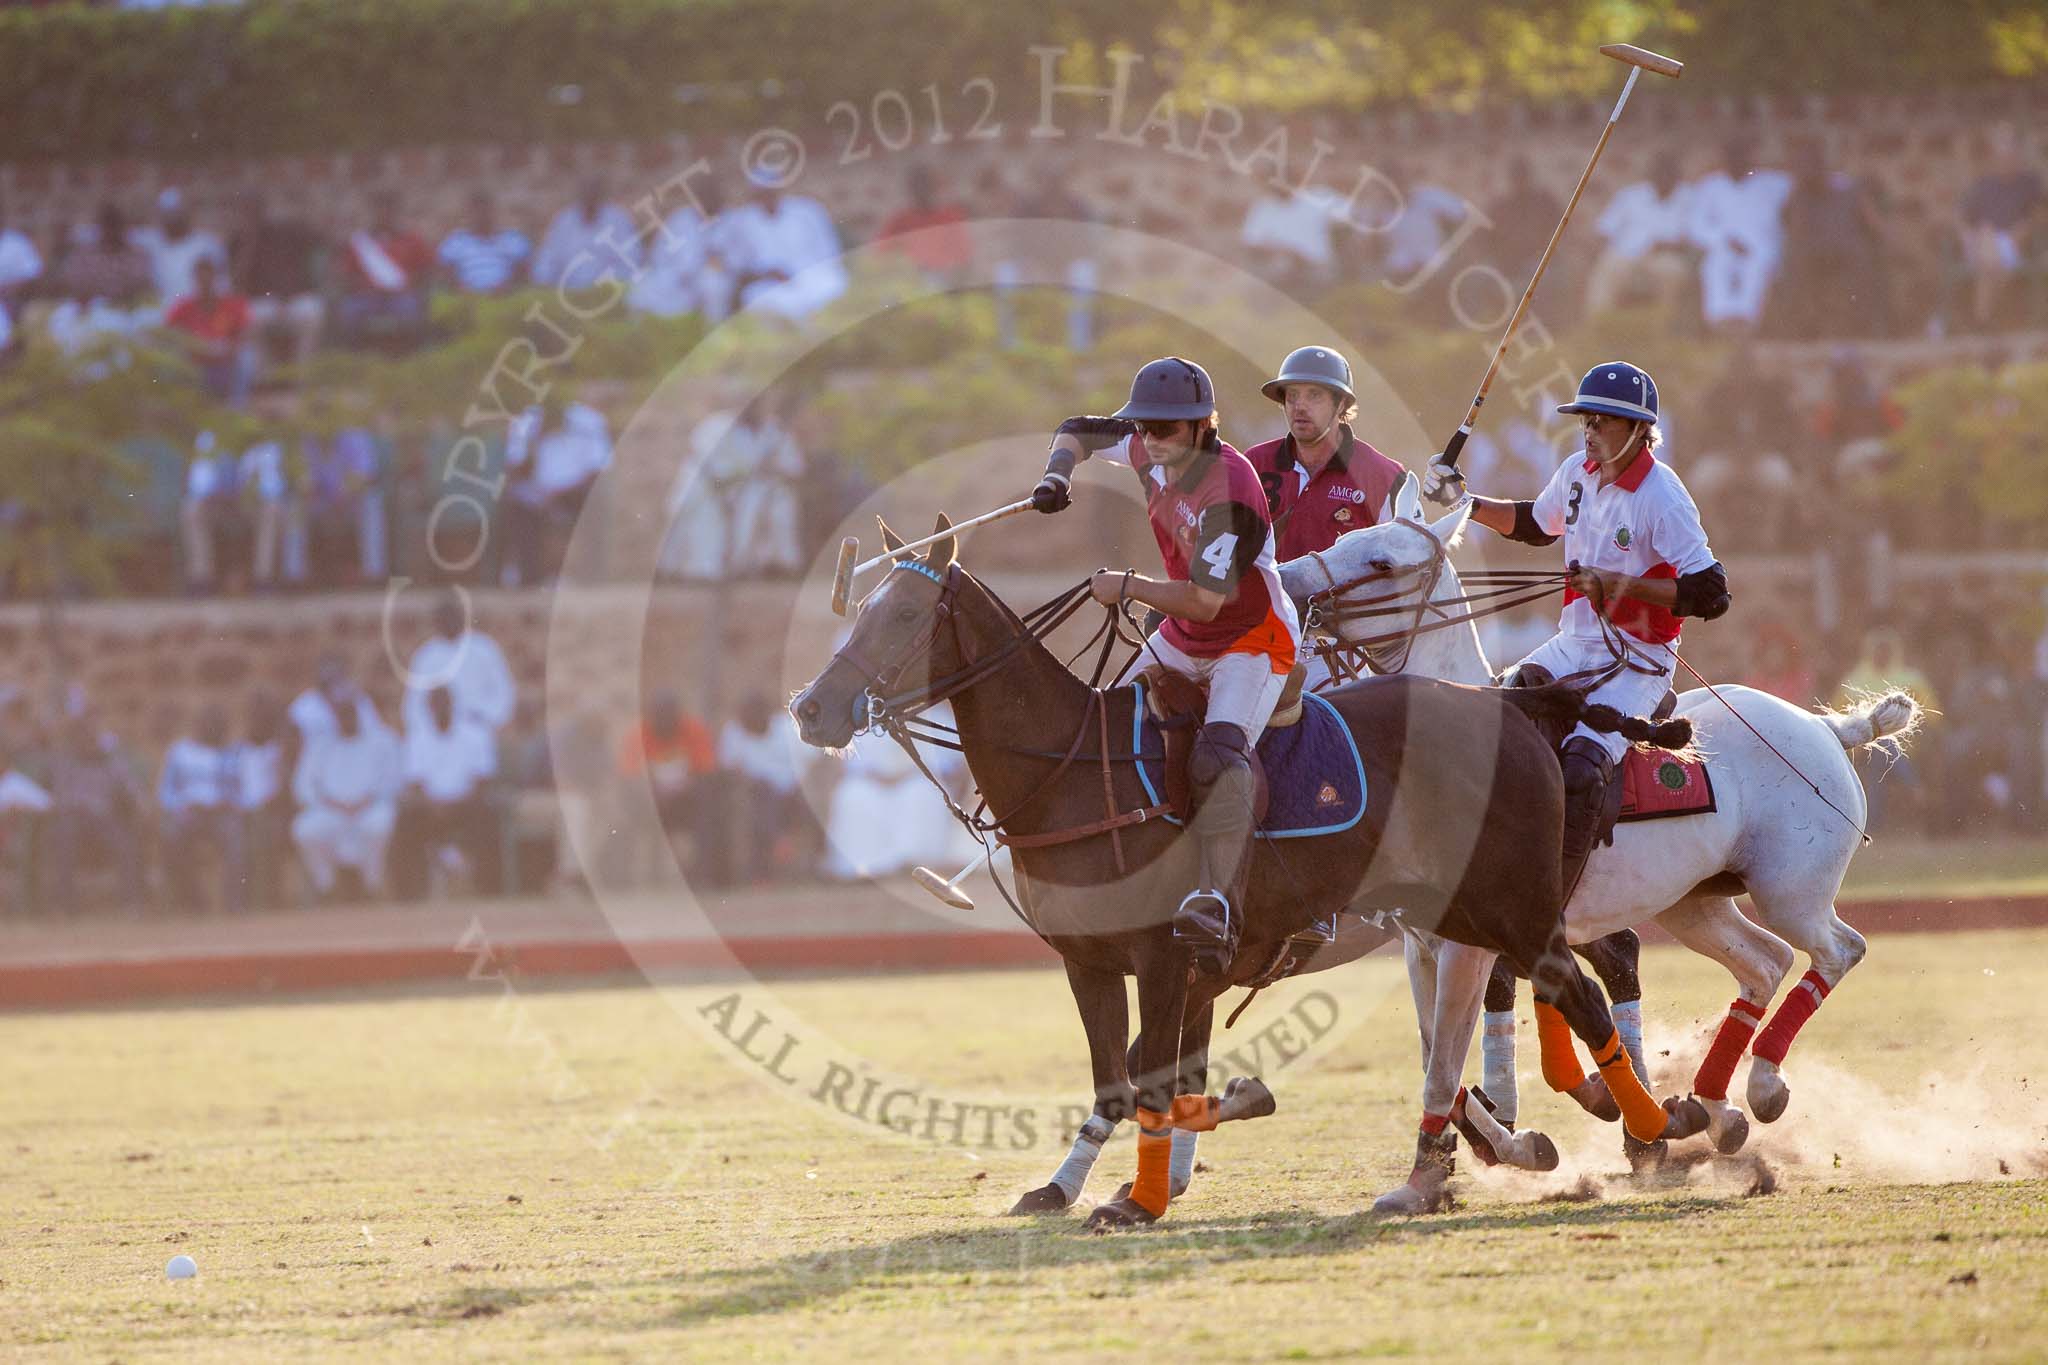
(1204, 924)
(1319, 934)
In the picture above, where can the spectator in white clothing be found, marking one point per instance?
(481, 257)
(1736, 218)
(1419, 229)
(198, 805)
(785, 249)
(1288, 236)
(687, 270)
(347, 787)
(212, 520)
(589, 243)
(21, 265)
(444, 813)
(465, 662)
(175, 248)
(1647, 227)
(761, 757)
(261, 795)
(553, 470)
(735, 507)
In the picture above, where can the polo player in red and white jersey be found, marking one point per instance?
(1227, 621)
(1639, 560)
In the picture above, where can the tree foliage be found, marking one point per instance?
(308, 76)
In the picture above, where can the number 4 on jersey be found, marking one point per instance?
(1217, 555)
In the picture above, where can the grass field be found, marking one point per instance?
(580, 1173)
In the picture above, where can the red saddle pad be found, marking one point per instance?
(1656, 783)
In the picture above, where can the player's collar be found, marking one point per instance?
(1631, 478)
(1339, 461)
(1191, 473)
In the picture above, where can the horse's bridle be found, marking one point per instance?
(1326, 610)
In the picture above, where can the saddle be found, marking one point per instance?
(1178, 703)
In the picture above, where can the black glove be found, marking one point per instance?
(1051, 495)
(1096, 433)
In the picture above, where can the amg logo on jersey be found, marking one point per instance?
(1621, 537)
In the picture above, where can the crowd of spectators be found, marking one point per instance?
(331, 798)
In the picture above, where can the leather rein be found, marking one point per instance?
(1331, 608)
(899, 714)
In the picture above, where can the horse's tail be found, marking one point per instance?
(1563, 705)
(1875, 717)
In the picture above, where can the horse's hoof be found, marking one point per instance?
(1768, 1093)
(1246, 1097)
(1411, 1199)
(1686, 1117)
(1729, 1129)
(1044, 1199)
(1541, 1153)
(1119, 1213)
(1594, 1097)
(1644, 1158)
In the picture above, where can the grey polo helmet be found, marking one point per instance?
(1170, 390)
(1312, 365)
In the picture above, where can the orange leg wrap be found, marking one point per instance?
(1561, 1069)
(1196, 1113)
(1644, 1117)
(1155, 1153)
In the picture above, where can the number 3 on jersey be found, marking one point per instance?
(1571, 516)
(1217, 555)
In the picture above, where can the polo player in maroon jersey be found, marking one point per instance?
(1227, 623)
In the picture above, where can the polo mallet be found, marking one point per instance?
(1638, 60)
(843, 573)
(948, 889)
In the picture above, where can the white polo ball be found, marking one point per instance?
(181, 1268)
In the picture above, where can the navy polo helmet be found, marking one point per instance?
(1312, 365)
(1619, 389)
(1170, 390)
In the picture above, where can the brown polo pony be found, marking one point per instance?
(1465, 843)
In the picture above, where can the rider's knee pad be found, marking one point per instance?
(1220, 748)
(1587, 767)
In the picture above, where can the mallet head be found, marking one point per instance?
(943, 889)
(842, 574)
(1643, 57)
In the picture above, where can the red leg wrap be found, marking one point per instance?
(1729, 1044)
(1776, 1039)
(1433, 1124)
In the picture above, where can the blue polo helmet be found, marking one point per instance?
(1617, 388)
(1170, 390)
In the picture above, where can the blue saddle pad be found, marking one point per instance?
(1314, 777)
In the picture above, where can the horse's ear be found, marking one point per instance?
(1405, 502)
(891, 542)
(1449, 527)
(943, 552)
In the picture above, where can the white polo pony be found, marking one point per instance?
(1771, 836)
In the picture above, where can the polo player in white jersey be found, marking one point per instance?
(1639, 561)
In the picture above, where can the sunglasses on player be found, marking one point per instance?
(1160, 431)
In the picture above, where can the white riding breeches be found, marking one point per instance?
(1243, 688)
(1628, 691)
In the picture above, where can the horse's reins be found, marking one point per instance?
(900, 714)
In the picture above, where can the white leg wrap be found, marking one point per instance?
(1073, 1172)
(1180, 1169)
(1628, 1022)
(1498, 1048)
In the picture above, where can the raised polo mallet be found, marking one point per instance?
(1638, 61)
(843, 573)
(948, 889)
